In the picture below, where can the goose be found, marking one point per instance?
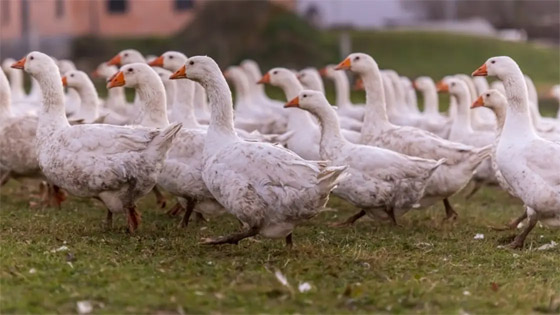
(116, 164)
(342, 90)
(497, 102)
(116, 99)
(432, 120)
(18, 157)
(410, 95)
(89, 100)
(311, 79)
(533, 174)
(461, 160)
(382, 183)
(254, 74)
(406, 115)
(481, 118)
(268, 188)
(125, 57)
(16, 80)
(306, 133)
(169, 85)
(462, 131)
(181, 174)
(71, 98)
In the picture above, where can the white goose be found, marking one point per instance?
(268, 188)
(306, 133)
(71, 97)
(481, 118)
(555, 92)
(534, 173)
(463, 132)
(543, 124)
(383, 183)
(342, 90)
(410, 95)
(404, 116)
(16, 81)
(116, 164)
(181, 174)
(461, 160)
(116, 99)
(497, 102)
(90, 111)
(432, 119)
(311, 80)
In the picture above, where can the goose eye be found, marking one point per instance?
(275, 72)
(488, 95)
(129, 69)
(191, 63)
(170, 57)
(304, 95)
(72, 75)
(493, 61)
(452, 84)
(126, 55)
(357, 58)
(31, 58)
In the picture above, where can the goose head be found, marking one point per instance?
(75, 79)
(233, 73)
(310, 78)
(104, 71)
(36, 63)
(125, 57)
(501, 67)
(328, 71)
(133, 75)
(453, 86)
(312, 101)
(7, 64)
(198, 68)
(492, 99)
(555, 91)
(357, 62)
(423, 83)
(251, 68)
(278, 77)
(170, 60)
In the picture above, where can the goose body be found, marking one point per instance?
(432, 120)
(268, 188)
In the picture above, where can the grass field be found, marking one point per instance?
(425, 266)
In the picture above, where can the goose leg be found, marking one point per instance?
(160, 198)
(190, 207)
(350, 220)
(175, 210)
(134, 218)
(198, 217)
(289, 242)
(450, 214)
(513, 223)
(476, 188)
(391, 212)
(109, 220)
(233, 238)
(520, 239)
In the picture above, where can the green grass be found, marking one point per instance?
(425, 266)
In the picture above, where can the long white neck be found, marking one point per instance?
(375, 117)
(297, 119)
(200, 99)
(5, 97)
(153, 104)
(500, 112)
(52, 116)
(518, 121)
(463, 118)
(184, 107)
(221, 131)
(242, 91)
(342, 88)
(431, 101)
(89, 105)
(116, 96)
(411, 100)
(330, 129)
(390, 102)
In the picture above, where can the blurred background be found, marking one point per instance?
(414, 37)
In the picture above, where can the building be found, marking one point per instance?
(50, 25)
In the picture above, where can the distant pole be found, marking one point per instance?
(25, 25)
(344, 43)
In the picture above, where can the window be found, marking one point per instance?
(59, 8)
(5, 8)
(117, 6)
(181, 5)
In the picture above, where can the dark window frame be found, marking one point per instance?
(117, 6)
(59, 8)
(183, 5)
(5, 12)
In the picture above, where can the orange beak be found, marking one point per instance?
(323, 72)
(19, 64)
(414, 86)
(482, 71)
(264, 79)
(344, 65)
(292, 103)
(64, 81)
(179, 74)
(479, 102)
(158, 62)
(359, 85)
(116, 80)
(95, 74)
(442, 87)
(115, 61)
